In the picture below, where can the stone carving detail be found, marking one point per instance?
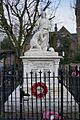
(41, 38)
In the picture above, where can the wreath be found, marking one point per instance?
(41, 92)
(49, 115)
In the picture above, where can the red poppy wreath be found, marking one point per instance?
(39, 90)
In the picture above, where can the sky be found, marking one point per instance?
(65, 16)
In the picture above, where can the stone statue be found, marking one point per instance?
(40, 39)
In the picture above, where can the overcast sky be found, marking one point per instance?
(65, 16)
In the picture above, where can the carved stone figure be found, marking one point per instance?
(36, 41)
(41, 38)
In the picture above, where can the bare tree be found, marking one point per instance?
(18, 18)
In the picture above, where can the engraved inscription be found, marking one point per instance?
(41, 65)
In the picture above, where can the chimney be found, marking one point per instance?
(55, 27)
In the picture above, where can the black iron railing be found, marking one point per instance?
(38, 95)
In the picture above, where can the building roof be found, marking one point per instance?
(64, 32)
(74, 35)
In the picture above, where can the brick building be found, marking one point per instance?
(77, 13)
(59, 38)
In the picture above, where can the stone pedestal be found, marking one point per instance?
(35, 60)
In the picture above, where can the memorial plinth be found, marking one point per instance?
(37, 60)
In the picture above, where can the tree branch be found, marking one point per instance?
(36, 11)
(7, 8)
(14, 10)
(47, 5)
(23, 12)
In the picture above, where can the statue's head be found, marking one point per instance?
(43, 14)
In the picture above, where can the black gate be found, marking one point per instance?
(10, 78)
(38, 96)
(42, 98)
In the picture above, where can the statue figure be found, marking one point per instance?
(36, 41)
(41, 38)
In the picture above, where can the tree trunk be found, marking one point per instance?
(19, 64)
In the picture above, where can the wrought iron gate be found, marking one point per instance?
(38, 96)
(42, 94)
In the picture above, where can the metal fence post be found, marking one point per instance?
(62, 93)
(20, 75)
(79, 109)
(21, 102)
(3, 87)
(79, 93)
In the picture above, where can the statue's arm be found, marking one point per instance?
(41, 36)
